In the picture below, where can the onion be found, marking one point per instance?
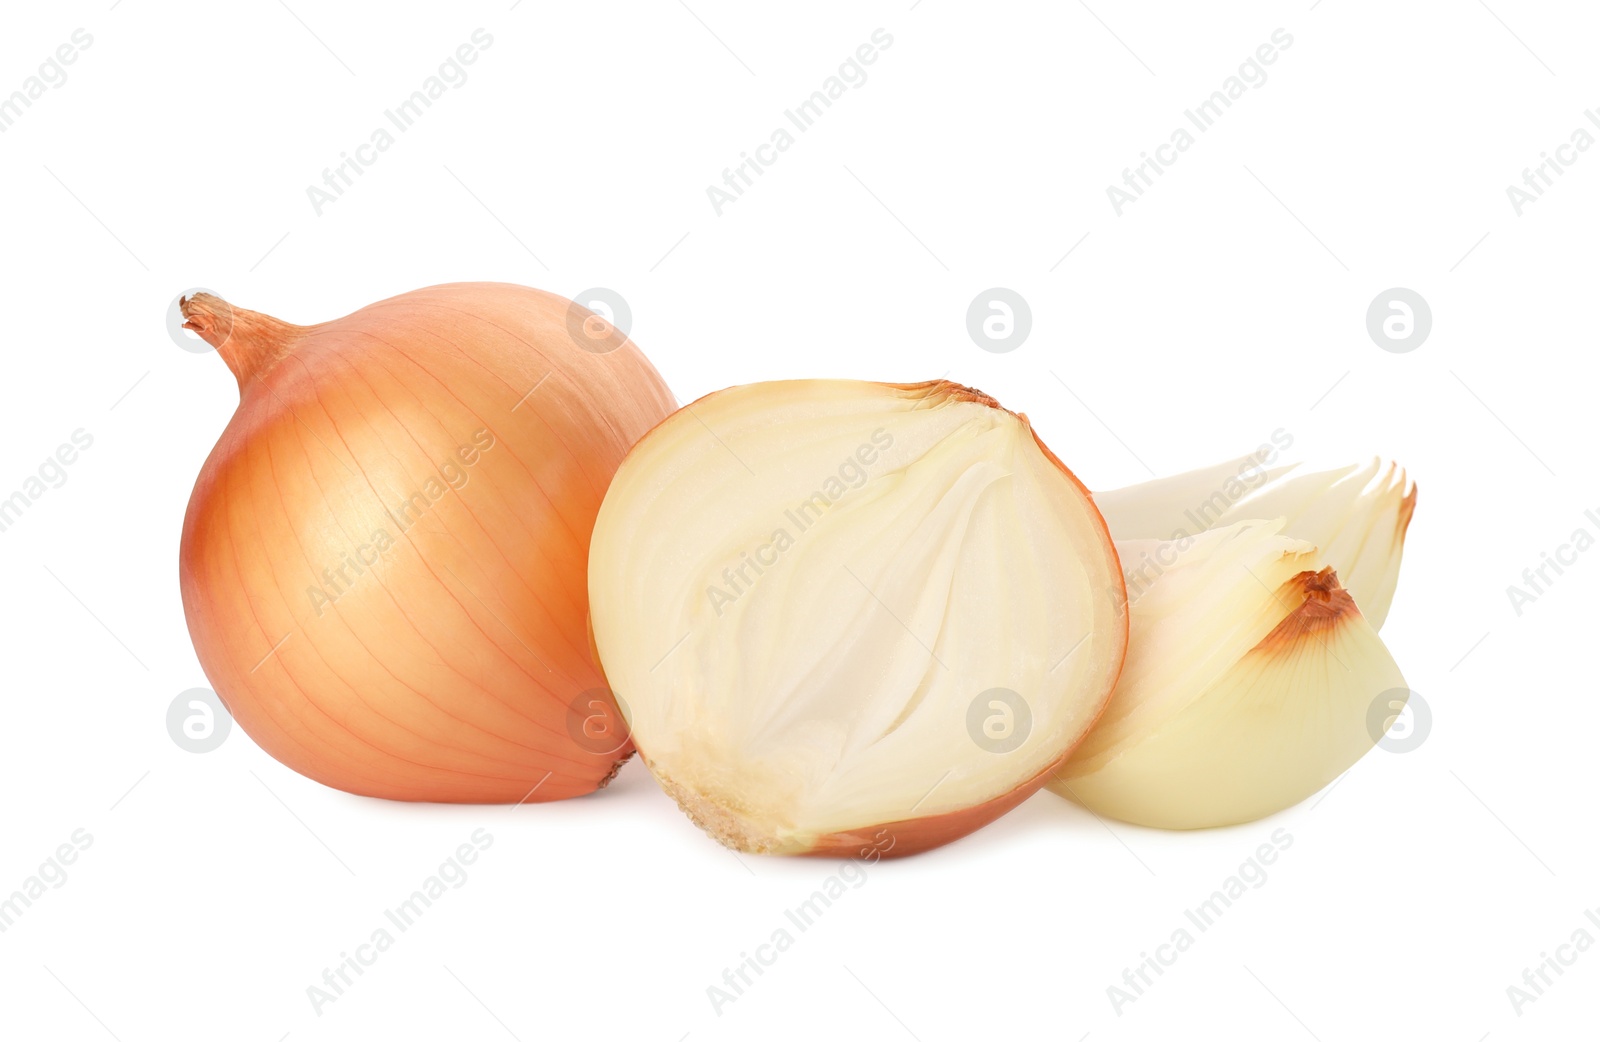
(851, 618)
(1255, 674)
(1250, 684)
(383, 561)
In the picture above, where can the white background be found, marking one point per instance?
(1226, 303)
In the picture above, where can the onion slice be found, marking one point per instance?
(1249, 685)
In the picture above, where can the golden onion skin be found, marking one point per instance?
(384, 559)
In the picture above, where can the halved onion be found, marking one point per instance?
(844, 616)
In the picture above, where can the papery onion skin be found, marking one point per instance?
(719, 815)
(475, 427)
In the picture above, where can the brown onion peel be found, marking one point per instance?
(468, 425)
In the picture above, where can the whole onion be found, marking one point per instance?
(384, 558)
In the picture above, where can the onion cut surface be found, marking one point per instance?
(843, 615)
